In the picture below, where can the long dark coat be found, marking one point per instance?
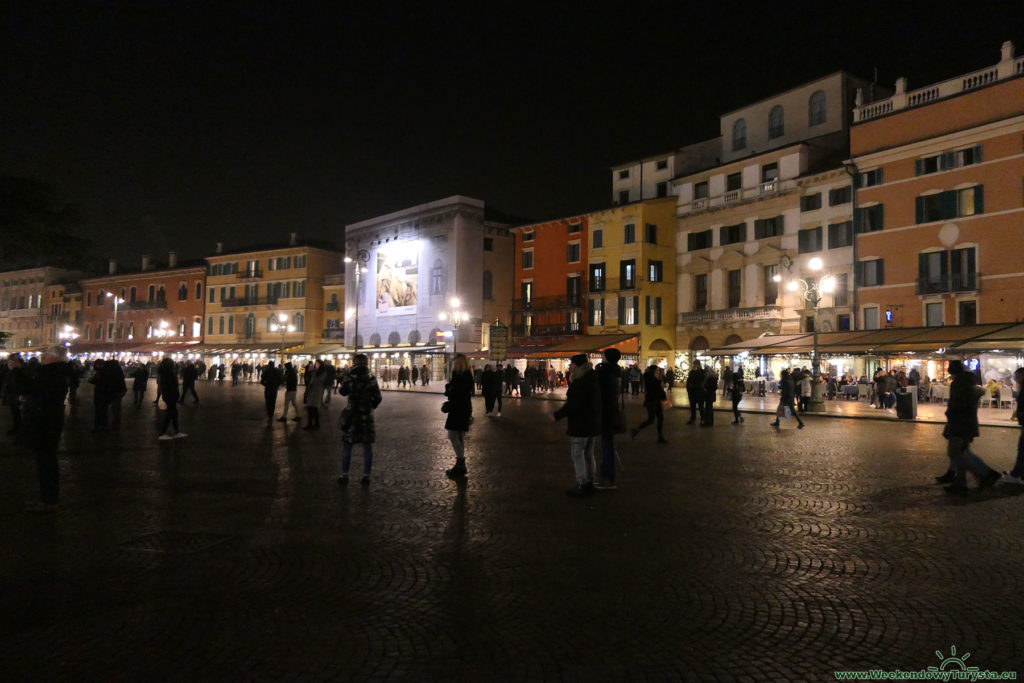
(582, 406)
(363, 397)
(460, 394)
(962, 409)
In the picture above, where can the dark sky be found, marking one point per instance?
(178, 124)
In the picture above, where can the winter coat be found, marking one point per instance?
(167, 381)
(787, 392)
(962, 409)
(189, 374)
(609, 379)
(271, 380)
(654, 393)
(363, 398)
(460, 392)
(582, 404)
(291, 379)
(140, 377)
(490, 383)
(314, 390)
(44, 405)
(695, 381)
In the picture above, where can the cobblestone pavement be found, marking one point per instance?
(732, 553)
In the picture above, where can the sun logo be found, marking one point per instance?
(952, 661)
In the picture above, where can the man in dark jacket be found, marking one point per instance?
(271, 382)
(15, 385)
(189, 375)
(44, 422)
(609, 378)
(961, 429)
(654, 395)
(583, 410)
(695, 392)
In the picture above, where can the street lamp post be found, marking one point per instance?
(811, 288)
(284, 328)
(456, 317)
(67, 335)
(362, 258)
(113, 337)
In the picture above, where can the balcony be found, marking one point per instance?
(943, 284)
(159, 304)
(730, 315)
(249, 301)
(548, 303)
(557, 330)
(245, 275)
(759, 191)
(333, 333)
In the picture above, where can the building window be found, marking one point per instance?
(624, 197)
(771, 286)
(199, 292)
(436, 278)
(182, 292)
(595, 312)
(870, 273)
(948, 160)
(527, 259)
(967, 312)
(650, 233)
(220, 327)
(776, 122)
(661, 189)
(653, 310)
(573, 290)
(810, 202)
(951, 204)
(735, 286)
(809, 240)
(732, 234)
(300, 261)
(629, 234)
(209, 325)
(700, 288)
(299, 321)
(597, 239)
(654, 271)
(213, 293)
(816, 112)
(869, 218)
(841, 293)
(739, 135)
(840, 234)
(181, 327)
(963, 274)
(768, 227)
(661, 164)
(231, 324)
(843, 323)
(623, 174)
(572, 254)
(700, 190)
(488, 244)
(488, 285)
(627, 310)
(931, 272)
(575, 228)
(526, 289)
(871, 318)
(770, 172)
(698, 240)
(870, 178)
(840, 195)
(597, 275)
(733, 182)
(933, 314)
(528, 235)
(627, 274)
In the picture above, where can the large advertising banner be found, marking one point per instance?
(397, 278)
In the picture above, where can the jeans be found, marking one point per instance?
(962, 458)
(608, 458)
(736, 406)
(696, 399)
(582, 450)
(709, 410)
(312, 416)
(655, 413)
(289, 399)
(270, 398)
(489, 402)
(187, 388)
(346, 457)
(139, 395)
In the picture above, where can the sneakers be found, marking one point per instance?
(1008, 478)
(165, 437)
(365, 480)
(989, 479)
(946, 478)
(343, 479)
(180, 435)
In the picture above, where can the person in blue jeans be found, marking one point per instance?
(1014, 475)
(609, 378)
(356, 422)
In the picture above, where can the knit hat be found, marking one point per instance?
(579, 359)
(612, 355)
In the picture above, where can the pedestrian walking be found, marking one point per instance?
(635, 380)
(271, 382)
(314, 395)
(189, 375)
(787, 397)
(613, 416)
(140, 378)
(291, 388)
(425, 374)
(654, 402)
(736, 393)
(490, 382)
(102, 394)
(44, 421)
(167, 379)
(356, 420)
(1014, 475)
(330, 377)
(710, 394)
(804, 384)
(459, 408)
(582, 409)
(695, 392)
(961, 429)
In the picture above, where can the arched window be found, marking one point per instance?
(414, 337)
(161, 295)
(816, 108)
(776, 122)
(220, 326)
(181, 326)
(149, 329)
(88, 333)
(375, 339)
(231, 324)
(199, 291)
(182, 292)
(131, 295)
(152, 293)
(99, 332)
(197, 326)
(739, 135)
(250, 326)
(488, 285)
(120, 331)
(209, 325)
(131, 330)
(394, 339)
(299, 320)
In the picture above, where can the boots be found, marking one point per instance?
(457, 472)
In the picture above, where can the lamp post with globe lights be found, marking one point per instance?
(361, 259)
(281, 325)
(113, 337)
(811, 288)
(455, 316)
(67, 335)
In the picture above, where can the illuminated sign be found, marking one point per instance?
(397, 278)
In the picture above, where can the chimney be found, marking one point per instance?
(113, 266)
(172, 259)
(220, 248)
(145, 261)
(295, 238)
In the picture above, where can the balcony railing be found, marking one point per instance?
(948, 283)
(548, 303)
(545, 330)
(159, 304)
(777, 186)
(250, 301)
(333, 333)
(249, 274)
(731, 314)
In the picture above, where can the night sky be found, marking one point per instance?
(176, 125)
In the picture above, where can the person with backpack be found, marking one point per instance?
(356, 421)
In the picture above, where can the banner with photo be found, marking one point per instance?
(397, 278)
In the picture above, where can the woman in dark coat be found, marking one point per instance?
(140, 377)
(314, 395)
(357, 424)
(654, 398)
(459, 391)
(787, 398)
(167, 380)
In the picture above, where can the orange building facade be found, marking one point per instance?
(940, 205)
(550, 281)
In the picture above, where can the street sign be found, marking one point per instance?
(499, 340)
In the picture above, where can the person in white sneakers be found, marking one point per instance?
(167, 380)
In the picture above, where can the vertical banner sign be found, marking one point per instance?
(499, 340)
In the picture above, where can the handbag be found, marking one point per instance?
(446, 406)
(345, 419)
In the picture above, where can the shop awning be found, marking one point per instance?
(757, 346)
(1009, 338)
(938, 340)
(586, 343)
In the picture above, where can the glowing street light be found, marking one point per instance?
(67, 335)
(455, 317)
(284, 328)
(363, 257)
(117, 300)
(811, 288)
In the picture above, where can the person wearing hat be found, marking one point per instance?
(613, 419)
(961, 428)
(582, 409)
